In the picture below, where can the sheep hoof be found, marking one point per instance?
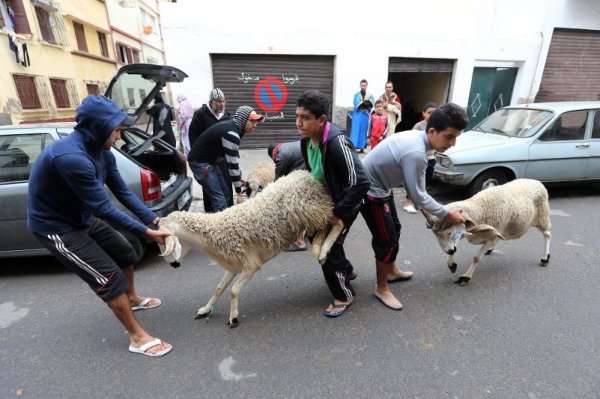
(463, 280)
(489, 251)
(452, 267)
(544, 262)
(233, 323)
(201, 315)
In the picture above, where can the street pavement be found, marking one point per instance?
(517, 330)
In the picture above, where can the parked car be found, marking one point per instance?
(152, 169)
(551, 142)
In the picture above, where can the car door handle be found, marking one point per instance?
(582, 146)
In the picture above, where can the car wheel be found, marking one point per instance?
(490, 178)
(137, 242)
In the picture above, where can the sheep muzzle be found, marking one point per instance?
(172, 250)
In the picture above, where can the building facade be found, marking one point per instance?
(480, 54)
(58, 52)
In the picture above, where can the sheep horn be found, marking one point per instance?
(169, 246)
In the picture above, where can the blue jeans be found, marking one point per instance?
(213, 184)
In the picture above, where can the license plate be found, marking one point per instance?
(181, 201)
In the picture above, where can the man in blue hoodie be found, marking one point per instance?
(68, 210)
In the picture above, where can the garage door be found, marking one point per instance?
(271, 84)
(572, 71)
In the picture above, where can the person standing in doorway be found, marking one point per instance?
(392, 107)
(379, 124)
(363, 104)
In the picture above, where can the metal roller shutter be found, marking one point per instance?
(271, 84)
(572, 70)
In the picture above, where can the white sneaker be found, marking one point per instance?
(410, 209)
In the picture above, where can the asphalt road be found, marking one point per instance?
(517, 330)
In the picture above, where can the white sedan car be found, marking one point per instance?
(551, 142)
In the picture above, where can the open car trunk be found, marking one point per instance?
(133, 88)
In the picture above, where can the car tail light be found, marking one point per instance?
(150, 185)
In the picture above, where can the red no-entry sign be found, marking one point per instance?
(270, 94)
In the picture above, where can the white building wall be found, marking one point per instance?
(363, 36)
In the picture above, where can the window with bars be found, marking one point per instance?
(51, 22)
(103, 44)
(18, 23)
(127, 55)
(80, 36)
(45, 25)
(92, 89)
(61, 95)
(27, 91)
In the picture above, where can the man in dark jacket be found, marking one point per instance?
(68, 205)
(330, 157)
(162, 116)
(222, 140)
(287, 158)
(203, 118)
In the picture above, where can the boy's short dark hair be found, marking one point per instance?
(270, 149)
(378, 101)
(448, 115)
(364, 81)
(314, 101)
(429, 105)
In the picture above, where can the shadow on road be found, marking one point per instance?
(13, 267)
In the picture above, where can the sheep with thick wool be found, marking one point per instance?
(262, 174)
(503, 212)
(242, 238)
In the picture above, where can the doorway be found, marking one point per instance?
(418, 81)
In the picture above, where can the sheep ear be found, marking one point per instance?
(429, 218)
(486, 229)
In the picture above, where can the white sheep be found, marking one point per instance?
(262, 174)
(242, 238)
(497, 213)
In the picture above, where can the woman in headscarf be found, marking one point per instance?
(186, 112)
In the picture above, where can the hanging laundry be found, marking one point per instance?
(20, 50)
(12, 44)
(26, 61)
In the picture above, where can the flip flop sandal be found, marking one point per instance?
(144, 348)
(144, 305)
(343, 308)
